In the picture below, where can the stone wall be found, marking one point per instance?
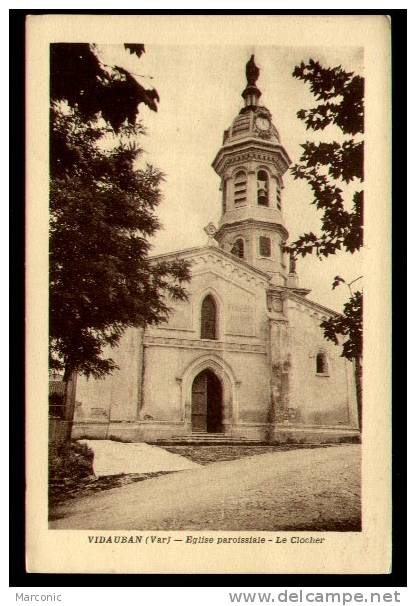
(117, 395)
(265, 356)
(318, 399)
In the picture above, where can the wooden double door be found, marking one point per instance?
(207, 403)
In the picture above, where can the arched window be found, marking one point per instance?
(262, 188)
(265, 247)
(238, 248)
(209, 318)
(240, 188)
(321, 364)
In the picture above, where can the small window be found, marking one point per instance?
(262, 188)
(321, 364)
(209, 318)
(265, 247)
(238, 248)
(240, 188)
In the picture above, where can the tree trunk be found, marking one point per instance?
(70, 379)
(358, 387)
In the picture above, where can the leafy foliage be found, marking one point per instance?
(345, 89)
(135, 49)
(78, 76)
(102, 212)
(68, 469)
(337, 281)
(324, 166)
(350, 325)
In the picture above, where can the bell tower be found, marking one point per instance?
(251, 163)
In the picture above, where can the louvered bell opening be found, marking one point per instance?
(262, 188)
(240, 188)
(241, 125)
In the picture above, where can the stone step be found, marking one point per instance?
(206, 439)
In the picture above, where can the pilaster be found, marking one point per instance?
(280, 361)
(251, 185)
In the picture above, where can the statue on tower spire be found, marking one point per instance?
(251, 94)
(252, 72)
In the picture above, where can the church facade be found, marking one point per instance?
(244, 358)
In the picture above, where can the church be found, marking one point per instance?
(244, 358)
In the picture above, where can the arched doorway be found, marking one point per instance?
(207, 403)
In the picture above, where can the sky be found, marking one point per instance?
(200, 95)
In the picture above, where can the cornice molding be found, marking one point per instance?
(150, 340)
(246, 272)
(311, 308)
(301, 303)
(235, 225)
(218, 256)
(251, 149)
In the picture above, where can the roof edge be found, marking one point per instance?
(198, 249)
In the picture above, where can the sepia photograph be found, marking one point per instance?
(206, 269)
(211, 365)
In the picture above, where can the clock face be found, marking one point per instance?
(262, 123)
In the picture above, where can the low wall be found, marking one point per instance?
(153, 432)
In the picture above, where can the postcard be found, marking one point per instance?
(208, 335)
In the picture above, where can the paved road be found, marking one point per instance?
(308, 489)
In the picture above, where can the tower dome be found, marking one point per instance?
(251, 163)
(253, 120)
(255, 123)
